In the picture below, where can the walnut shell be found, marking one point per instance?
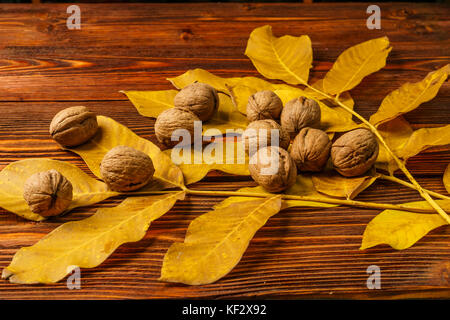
(298, 114)
(264, 105)
(73, 126)
(172, 119)
(254, 132)
(310, 149)
(126, 169)
(47, 193)
(354, 152)
(273, 169)
(199, 98)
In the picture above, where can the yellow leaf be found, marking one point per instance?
(402, 229)
(446, 178)
(112, 134)
(355, 63)
(333, 184)
(151, 103)
(286, 58)
(332, 119)
(87, 243)
(86, 190)
(226, 118)
(216, 241)
(227, 157)
(409, 96)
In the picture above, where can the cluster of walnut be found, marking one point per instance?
(351, 155)
(195, 102)
(123, 168)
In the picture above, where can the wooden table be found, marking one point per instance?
(301, 252)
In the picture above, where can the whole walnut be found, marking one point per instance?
(354, 152)
(199, 98)
(255, 132)
(173, 119)
(310, 149)
(264, 105)
(73, 126)
(298, 114)
(47, 193)
(273, 169)
(126, 169)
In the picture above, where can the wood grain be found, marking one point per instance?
(301, 252)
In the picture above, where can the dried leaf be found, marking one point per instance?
(409, 96)
(333, 184)
(227, 157)
(151, 103)
(226, 118)
(286, 58)
(402, 229)
(446, 178)
(112, 134)
(86, 190)
(355, 63)
(216, 241)
(87, 243)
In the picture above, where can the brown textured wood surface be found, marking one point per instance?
(301, 252)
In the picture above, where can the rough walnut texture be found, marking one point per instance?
(264, 105)
(273, 169)
(73, 126)
(298, 114)
(47, 193)
(310, 149)
(354, 152)
(255, 131)
(172, 119)
(126, 169)
(199, 98)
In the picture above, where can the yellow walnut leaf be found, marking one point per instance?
(112, 134)
(286, 58)
(355, 63)
(409, 96)
(87, 243)
(86, 190)
(216, 241)
(151, 103)
(446, 178)
(229, 157)
(402, 229)
(226, 118)
(333, 184)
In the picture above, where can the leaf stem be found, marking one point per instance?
(399, 162)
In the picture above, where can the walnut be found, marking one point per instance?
(264, 105)
(298, 114)
(73, 126)
(172, 119)
(47, 193)
(126, 169)
(354, 152)
(310, 149)
(199, 98)
(256, 130)
(273, 169)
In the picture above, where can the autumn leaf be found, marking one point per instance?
(216, 241)
(86, 190)
(286, 58)
(446, 178)
(151, 103)
(333, 184)
(402, 229)
(409, 96)
(112, 134)
(195, 164)
(87, 243)
(355, 63)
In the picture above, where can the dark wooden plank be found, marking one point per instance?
(301, 252)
